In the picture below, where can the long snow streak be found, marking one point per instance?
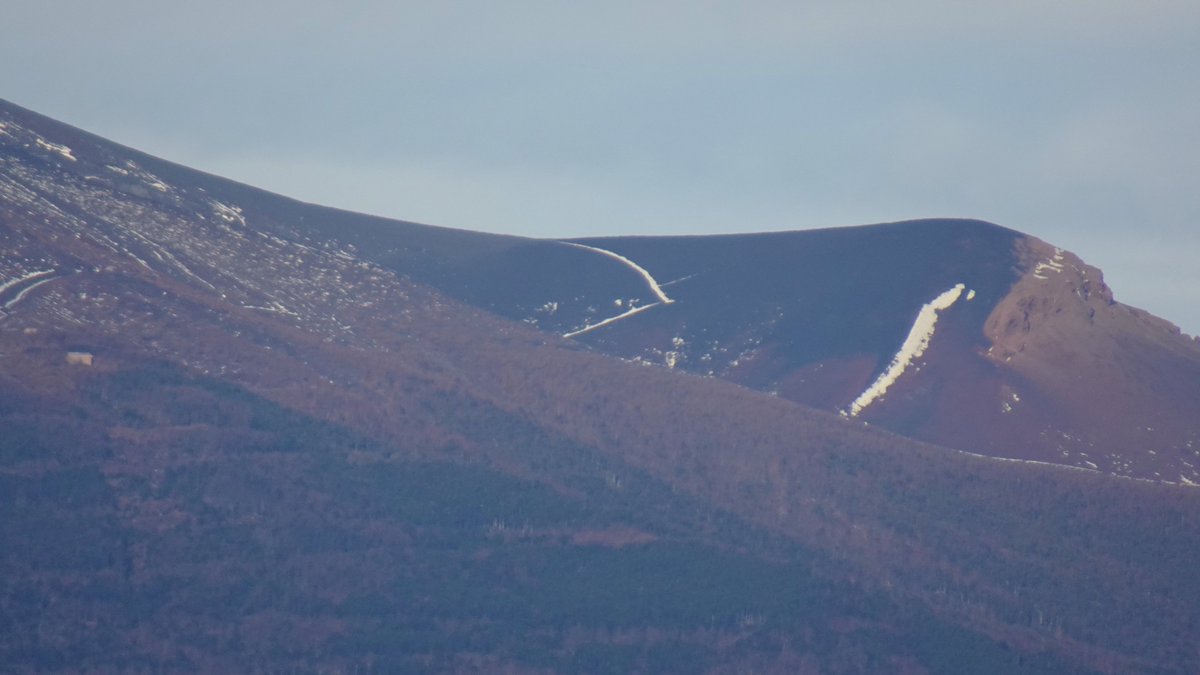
(28, 277)
(658, 291)
(914, 346)
(611, 319)
(24, 291)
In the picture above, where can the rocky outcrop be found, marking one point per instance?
(1119, 388)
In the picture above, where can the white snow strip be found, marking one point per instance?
(159, 252)
(658, 291)
(32, 275)
(1069, 467)
(227, 213)
(676, 281)
(55, 147)
(614, 319)
(284, 243)
(970, 295)
(1036, 462)
(1054, 264)
(914, 346)
(24, 291)
(186, 270)
(141, 262)
(275, 308)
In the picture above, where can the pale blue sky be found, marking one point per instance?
(1076, 122)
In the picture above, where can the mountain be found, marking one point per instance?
(245, 433)
(1030, 358)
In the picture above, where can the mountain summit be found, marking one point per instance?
(243, 433)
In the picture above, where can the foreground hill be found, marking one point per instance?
(303, 442)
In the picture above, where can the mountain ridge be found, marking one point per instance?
(266, 403)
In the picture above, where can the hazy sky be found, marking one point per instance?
(1075, 121)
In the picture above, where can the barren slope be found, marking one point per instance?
(285, 453)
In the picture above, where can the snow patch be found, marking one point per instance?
(671, 358)
(230, 214)
(148, 178)
(914, 346)
(970, 295)
(1054, 264)
(1008, 406)
(56, 148)
(275, 307)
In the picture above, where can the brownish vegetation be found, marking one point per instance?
(394, 481)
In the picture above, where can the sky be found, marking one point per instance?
(1076, 122)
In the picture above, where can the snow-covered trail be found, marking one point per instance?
(914, 346)
(654, 286)
(24, 291)
(663, 299)
(19, 280)
(22, 286)
(1183, 482)
(611, 319)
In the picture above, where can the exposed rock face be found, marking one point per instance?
(1119, 388)
(1056, 289)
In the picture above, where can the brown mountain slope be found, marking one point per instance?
(1065, 374)
(1029, 357)
(816, 317)
(285, 454)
